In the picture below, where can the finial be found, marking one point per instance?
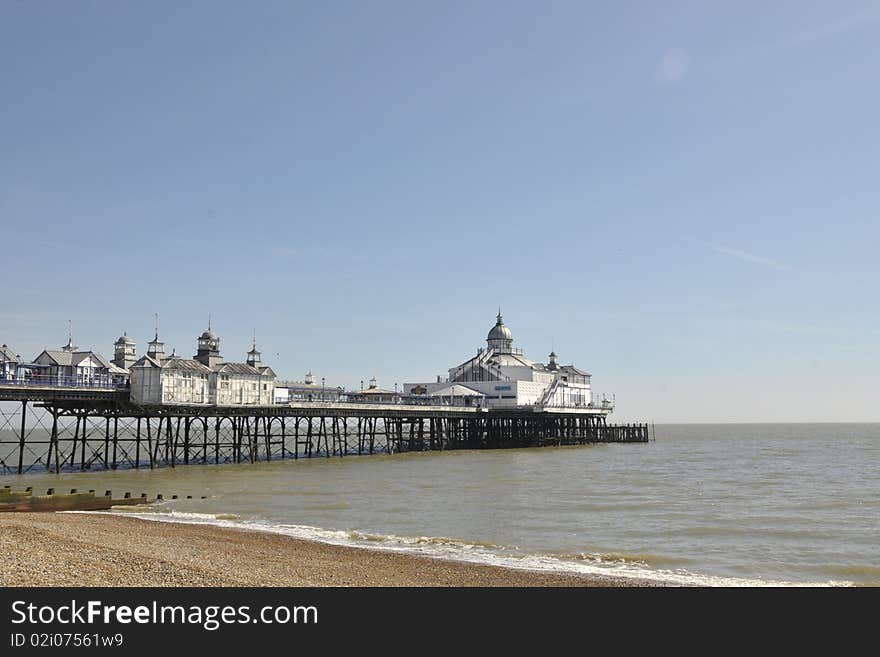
(69, 332)
(209, 321)
(499, 314)
(255, 340)
(156, 317)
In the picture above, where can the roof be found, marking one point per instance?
(573, 370)
(497, 359)
(58, 357)
(237, 368)
(208, 335)
(467, 362)
(456, 390)
(124, 339)
(499, 331)
(184, 364)
(375, 391)
(7, 353)
(80, 356)
(512, 360)
(117, 370)
(145, 361)
(74, 358)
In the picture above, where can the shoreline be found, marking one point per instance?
(94, 549)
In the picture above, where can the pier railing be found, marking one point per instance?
(44, 381)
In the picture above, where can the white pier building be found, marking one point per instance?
(505, 378)
(204, 379)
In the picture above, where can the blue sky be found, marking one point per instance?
(681, 199)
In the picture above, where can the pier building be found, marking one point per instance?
(204, 379)
(375, 395)
(309, 389)
(9, 362)
(71, 365)
(506, 378)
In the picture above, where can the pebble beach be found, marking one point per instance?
(69, 549)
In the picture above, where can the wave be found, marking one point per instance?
(646, 559)
(869, 574)
(183, 517)
(634, 567)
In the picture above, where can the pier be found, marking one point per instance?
(60, 429)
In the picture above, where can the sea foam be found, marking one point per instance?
(629, 567)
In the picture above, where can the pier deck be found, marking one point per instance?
(59, 429)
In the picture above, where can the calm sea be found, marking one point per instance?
(707, 504)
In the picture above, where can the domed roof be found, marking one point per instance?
(499, 331)
(124, 339)
(208, 335)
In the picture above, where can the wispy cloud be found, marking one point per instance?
(750, 257)
(775, 326)
(673, 66)
(826, 31)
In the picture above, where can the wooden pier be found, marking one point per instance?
(61, 430)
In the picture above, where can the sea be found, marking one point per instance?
(702, 504)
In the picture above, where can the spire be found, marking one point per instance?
(209, 321)
(499, 319)
(156, 349)
(69, 346)
(253, 356)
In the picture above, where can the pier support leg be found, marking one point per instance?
(186, 423)
(267, 433)
(21, 437)
(85, 433)
(204, 440)
(75, 438)
(137, 445)
(217, 441)
(283, 438)
(150, 443)
(54, 440)
(115, 439)
(106, 441)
